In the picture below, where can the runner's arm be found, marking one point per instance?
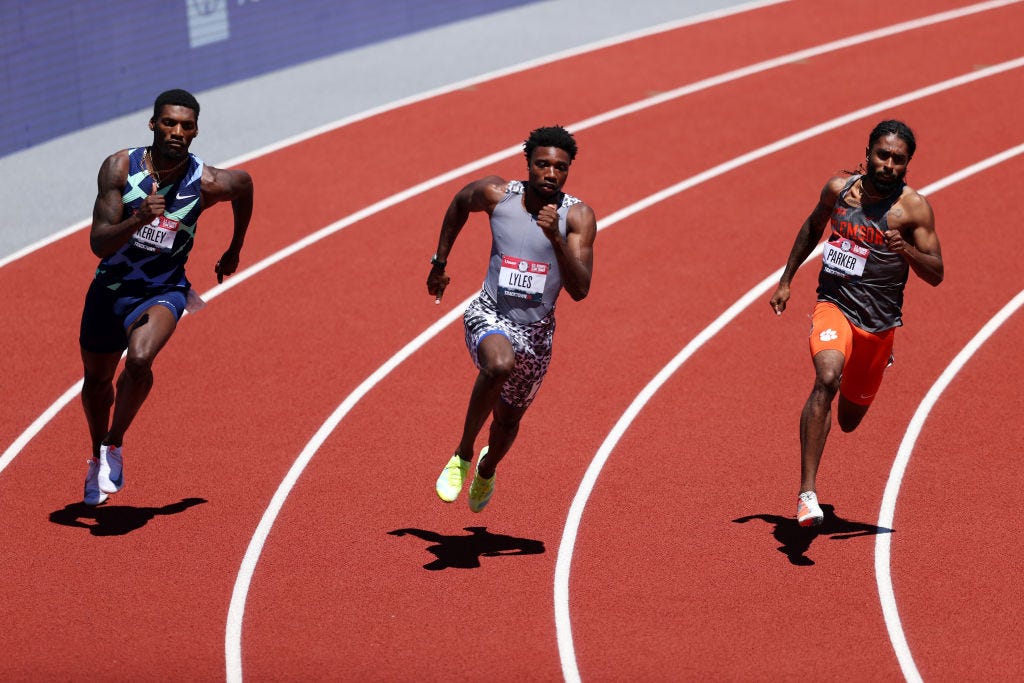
(479, 195)
(923, 252)
(575, 255)
(807, 239)
(109, 232)
(235, 185)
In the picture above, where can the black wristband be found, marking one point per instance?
(437, 263)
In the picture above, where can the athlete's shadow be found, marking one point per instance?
(796, 540)
(464, 552)
(115, 520)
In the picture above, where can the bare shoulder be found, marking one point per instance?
(484, 193)
(911, 210)
(220, 183)
(114, 169)
(581, 216)
(834, 186)
(493, 186)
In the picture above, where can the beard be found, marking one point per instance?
(885, 185)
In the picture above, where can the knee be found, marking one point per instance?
(506, 422)
(498, 369)
(849, 415)
(847, 425)
(826, 384)
(138, 366)
(96, 380)
(92, 379)
(94, 385)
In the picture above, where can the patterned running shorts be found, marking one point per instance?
(531, 344)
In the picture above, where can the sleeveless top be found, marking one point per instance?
(153, 260)
(859, 273)
(523, 276)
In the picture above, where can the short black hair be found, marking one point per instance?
(177, 96)
(897, 128)
(550, 136)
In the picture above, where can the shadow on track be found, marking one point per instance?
(464, 552)
(796, 540)
(115, 520)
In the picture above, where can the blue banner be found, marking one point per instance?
(65, 65)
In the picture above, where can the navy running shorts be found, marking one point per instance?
(107, 316)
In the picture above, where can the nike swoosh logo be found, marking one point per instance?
(185, 196)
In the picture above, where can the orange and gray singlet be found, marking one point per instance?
(153, 260)
(859, 273)
(523, 277)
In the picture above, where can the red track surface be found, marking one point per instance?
(677, 571)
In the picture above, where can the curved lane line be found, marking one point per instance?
(236, 610)
(233, 653)
(445, 89)
(887, 513)
(12, 451)
(886, 594)
(591, 47)
(563, 625)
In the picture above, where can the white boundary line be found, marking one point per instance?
(36, 426)
(590, 47)
(237, 607)
(443, 90)
(22, 440)
(563, 625)
(887, 513)
(883, 542)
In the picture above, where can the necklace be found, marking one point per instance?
(147, 158)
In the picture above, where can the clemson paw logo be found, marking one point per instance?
(828, 335)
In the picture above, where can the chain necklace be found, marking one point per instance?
(147, 159)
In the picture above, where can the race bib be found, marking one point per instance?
(522, 279)
(158, 235)
(844, 258)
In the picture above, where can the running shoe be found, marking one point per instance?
(93, 495)
(449, 484)
(481, 490)
(808, 512)
(111, 470)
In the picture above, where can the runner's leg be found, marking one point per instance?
(146, 338)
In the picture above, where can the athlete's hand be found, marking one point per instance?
(894, 240)
(779, 299)
(547, 220)
(227, 265)
(152, 206)
(437, 282)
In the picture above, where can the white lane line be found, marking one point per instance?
(886, 515)
(590, 47)
(883, 542)
(443, 90)
(563, 563)
(237, 607)
(37, 425)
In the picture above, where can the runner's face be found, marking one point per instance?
(887, 163)
(174, 130)
(548, 167)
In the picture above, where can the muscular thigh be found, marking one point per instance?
(866, 366)
(530, 344)
(830, 330)
(151, 331)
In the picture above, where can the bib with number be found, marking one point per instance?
(157, 235)
(522, 279)
(844, 258)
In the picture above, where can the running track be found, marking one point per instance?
(280, 511)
